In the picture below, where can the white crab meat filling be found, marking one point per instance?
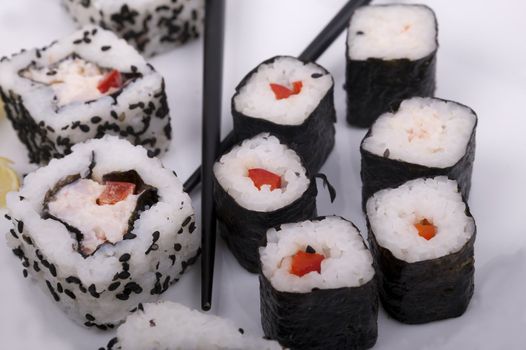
(76, 205)
(72, 80)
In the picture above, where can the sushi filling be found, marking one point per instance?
(262, 174)
(98, 213)
(261, 177)
(421, 220)
(424, 131)
(74, 79)
(285, 91)
(324, 254)
(281, 92)
(304, 262)
(392, 32)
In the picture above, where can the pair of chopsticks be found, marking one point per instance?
(212, 93)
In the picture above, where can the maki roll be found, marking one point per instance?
(167, 325)
(259, 184)
(293, 100)
(103, 229)
(425, 137)
(151, 26)
(81, 87)
(318, 287)
(421, 235)
(391, 56)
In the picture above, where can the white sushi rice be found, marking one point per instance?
(262, 151)
(66, 113)
(256, 99)
(424, 131)
(392, 32)
(392, 214)
(168, 325)
(151, 26)
(347, 263)
(149, 262)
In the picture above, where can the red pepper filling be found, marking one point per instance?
(303, 263)
(262, 177)
(426, 229)
(282, 92)
(115, 192)
(112, 79)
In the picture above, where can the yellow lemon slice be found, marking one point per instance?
(8, 180)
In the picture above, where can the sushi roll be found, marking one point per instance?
(102, 230)
(81, 87)
(422, 235)
(259, 184)
(293, 100)
(318, 287)
(151, 26)
(167, 325)
(425, 137)
(391, 56)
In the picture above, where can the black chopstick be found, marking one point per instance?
(212, 95)
(315, 49)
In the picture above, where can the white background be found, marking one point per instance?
(481, 63)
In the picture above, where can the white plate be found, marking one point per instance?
(481, 63)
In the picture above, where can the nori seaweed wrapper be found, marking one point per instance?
(380, 172)
(313, 140)
(425, 291)
(244, 229)
(375, 86)
(342, 318)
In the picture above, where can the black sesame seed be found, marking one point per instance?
(360, 32)
(112, 342)
(187, 221)
(114, 286)
(124, 275)
(177, 247)
(96, 119)
(36, 267)
(73, 279)
(140, 307)
(13, 233)
(89, 317)
(59, 287)
(316, 75)
(93, 291)
(70, 294)
(129, 236)
(20, 226)
(125, 257)
(53, 270)
(25, 273)
(386, 153)
(241, 331)
(192, 227)
(152, 323)
(105, 48)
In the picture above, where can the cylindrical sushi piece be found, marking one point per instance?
(422, 235)
(318, 287)
(103, 229)
(84, 86)
(259, 184)
(168, 325)
(425, 137)
(293, 100)
(391, 56)
(151, 26)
